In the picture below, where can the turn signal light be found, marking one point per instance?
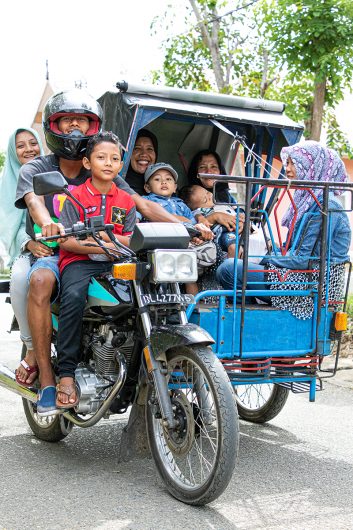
(124, 271)
(341, 321)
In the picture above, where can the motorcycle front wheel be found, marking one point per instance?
(197, 458)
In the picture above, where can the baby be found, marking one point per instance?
(200, 201)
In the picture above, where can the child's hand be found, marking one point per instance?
(241, 252)
(38, 249)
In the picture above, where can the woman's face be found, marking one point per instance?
(27, 147)
(208, 164)
(291, 172)
(143, 155)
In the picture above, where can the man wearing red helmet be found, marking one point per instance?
(70, 118)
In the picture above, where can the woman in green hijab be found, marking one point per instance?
(24, 145)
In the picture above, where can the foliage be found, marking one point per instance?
(209, 54)
(2, 160)
(274, 49)
(336, 139)
(313, 38)
(350, 307)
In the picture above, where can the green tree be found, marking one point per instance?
(2, 160)
(209, 54)
(257, 49)
(313, 39)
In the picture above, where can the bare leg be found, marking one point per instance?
(231, 251)
(41, 287)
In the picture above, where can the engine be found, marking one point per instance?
(94, 381)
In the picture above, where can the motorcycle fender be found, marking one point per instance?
(168, 336)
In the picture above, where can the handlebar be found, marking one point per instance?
(91, 228)
(78, 230)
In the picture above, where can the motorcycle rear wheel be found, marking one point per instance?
(49, 428)
(197, 459)
(260, 403)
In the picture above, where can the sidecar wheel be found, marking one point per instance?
(196, 459)
(50, 428)
(260, 403)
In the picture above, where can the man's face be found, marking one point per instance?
(73, 122)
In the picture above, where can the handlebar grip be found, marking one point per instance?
(193, 232)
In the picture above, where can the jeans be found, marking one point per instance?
(225, 275)
(75, 280)
(50, 263)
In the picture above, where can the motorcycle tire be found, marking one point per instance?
(195, 460)
(50, 428)
(260, 403)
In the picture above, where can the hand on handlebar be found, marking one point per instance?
(52, 229)
(205, 233)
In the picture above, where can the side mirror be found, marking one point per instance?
(49, 183)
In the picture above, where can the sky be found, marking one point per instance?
(97, 42)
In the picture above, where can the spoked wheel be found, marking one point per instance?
(197, 458)
(260, 403)
(49, 428)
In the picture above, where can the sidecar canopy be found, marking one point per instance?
(187, 121)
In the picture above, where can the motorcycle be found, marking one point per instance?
(139, 349)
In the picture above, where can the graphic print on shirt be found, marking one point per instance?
(59, 199)
(118, 215)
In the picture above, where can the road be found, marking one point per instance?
(294, 473)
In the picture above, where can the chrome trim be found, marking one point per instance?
(80, 422)
(8, 380)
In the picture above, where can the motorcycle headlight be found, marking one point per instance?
(174, 266)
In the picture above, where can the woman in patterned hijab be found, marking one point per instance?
(310, 161)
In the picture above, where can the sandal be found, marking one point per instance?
(46, 401)
(68, 390)
(29, 370)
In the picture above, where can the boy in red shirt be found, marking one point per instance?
(77, 262)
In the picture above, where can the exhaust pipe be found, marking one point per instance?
(8, 380)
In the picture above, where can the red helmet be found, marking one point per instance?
(71, 146)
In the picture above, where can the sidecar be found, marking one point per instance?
(266, 351)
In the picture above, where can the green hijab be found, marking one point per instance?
(13, 220)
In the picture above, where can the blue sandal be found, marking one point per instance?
(46, 401)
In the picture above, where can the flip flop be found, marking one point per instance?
(68, 390)
(46, 401)
(30, 370)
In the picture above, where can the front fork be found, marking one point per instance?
(154, 366)
(158, 373)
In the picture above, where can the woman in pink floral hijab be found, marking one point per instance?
(312, 161)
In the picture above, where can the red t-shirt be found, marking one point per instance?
(117, 207)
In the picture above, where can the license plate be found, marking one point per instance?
(167, 298)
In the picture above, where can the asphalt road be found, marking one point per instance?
(294, 473)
